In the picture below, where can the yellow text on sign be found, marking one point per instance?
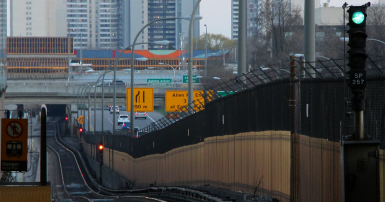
(175, 99)
(143, 99)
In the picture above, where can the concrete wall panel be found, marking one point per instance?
(238, 162)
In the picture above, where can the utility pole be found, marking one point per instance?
(309, 24)
(206, 52)
(242, 40)
(69, 44)
(294, 139)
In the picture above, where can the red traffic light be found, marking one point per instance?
(66, 118)
(100, 147)
(80, 129)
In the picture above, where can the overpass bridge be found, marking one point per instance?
(64, 92)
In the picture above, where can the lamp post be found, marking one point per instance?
(102, 83)
(170, 66)
(190, 54)
(206, 52)
(132, 60)
(83, 94)
(346, 39)
(77, 99)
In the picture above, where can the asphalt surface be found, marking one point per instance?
(108, 119)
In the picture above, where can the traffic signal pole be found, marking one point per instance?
(101, 147)
(359, 151)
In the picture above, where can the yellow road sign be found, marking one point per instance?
(143, 99)
(176, 99)
(14, 144)
(81, 119)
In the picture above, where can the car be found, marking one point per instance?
(141, 115)
(126, 126)
(112, 109)
(105, 83)
(122, 118)
(110, 83)
(119, 83)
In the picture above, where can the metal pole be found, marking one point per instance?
(132, 71)
(81, 54)
(69, 44)
(293, 129)
(43, 148)
(103, 101)
(77, 99)
(114, 100)
(309, 34)
(206, 52)
(190, 59)
(302, 63)
(242, 40)
(89, 111)
(95, 107)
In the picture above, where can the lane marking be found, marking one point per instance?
(110, 120)
(151, 118)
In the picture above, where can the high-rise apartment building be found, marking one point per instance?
(104, 24)
(251, 14)
(114, 24)
(38, 18)
(3, 51)
(173, 29)
(93, 23)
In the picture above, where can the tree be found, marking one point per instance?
(279, 33)
(375, 26)
(215, 42)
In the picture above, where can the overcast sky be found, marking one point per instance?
(217, 14)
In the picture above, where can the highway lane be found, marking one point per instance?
(108, 119)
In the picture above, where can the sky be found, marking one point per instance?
(217, 14)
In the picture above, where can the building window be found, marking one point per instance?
(28, 2)
(29, 23)
(28, 18)
(29, 8)
(29, 28)
(28, 13)
(29, 33)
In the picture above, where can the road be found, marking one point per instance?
(108, 119)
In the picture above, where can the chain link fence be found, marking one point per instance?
(259, 101)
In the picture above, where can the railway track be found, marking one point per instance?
(79, 183)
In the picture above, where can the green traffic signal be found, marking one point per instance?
(358, 17)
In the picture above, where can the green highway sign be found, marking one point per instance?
(159, 82)
(195, 79)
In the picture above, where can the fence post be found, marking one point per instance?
(294, 166)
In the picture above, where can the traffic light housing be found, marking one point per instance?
(357, 54)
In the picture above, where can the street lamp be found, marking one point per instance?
(346, 39)
(132, 59)
(206, 52)
(332, 62)
(77, 99)
(108, 68)
(171, 67)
